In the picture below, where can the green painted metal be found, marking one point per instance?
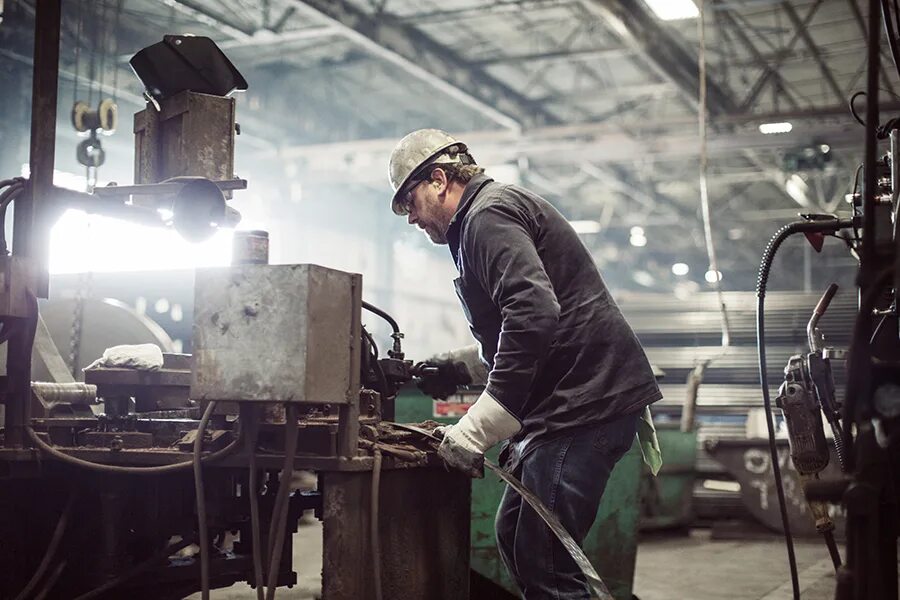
(611, 544)
(667, 499)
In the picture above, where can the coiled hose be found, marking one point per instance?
(828, 226)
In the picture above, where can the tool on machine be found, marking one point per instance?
(548, 517)
(807, 395)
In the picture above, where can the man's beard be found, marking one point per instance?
(437, 233)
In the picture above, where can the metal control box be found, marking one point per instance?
(191, 134)
(276, 333)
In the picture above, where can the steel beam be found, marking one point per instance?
(558, 56)
(642, 32)
(415, 53)
(769, 71)
(797, 22)
(857, 16)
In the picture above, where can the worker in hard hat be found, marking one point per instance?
(568, 381)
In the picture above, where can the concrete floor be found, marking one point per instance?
(671, 567)
(697, 567)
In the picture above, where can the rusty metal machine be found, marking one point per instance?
(178, 477)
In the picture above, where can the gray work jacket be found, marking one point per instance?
(559, 352)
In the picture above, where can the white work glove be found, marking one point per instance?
(143, 357)
(485, 424)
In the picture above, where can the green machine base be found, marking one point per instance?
(611, 544)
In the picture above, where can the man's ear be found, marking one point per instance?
(439, 180)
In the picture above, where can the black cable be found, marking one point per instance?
(853, 108)
(830, 226)
(50, 552)
(375, 509)
(374, 309)
(7, 197)
(137, 569)
(251, 418)
(376, 366)
(10, 181)
(282, 501)
(202, 527)
(51, 581)
(117, 469)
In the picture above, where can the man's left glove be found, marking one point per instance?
(485, 424)
(440, 378)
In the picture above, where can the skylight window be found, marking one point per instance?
(674, 10)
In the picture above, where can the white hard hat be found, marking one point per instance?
(420, 149)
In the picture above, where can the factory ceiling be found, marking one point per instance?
(593, 103)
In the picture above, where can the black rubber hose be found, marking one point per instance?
(282, 501)
(200, 496)
(375, 310)
(121, 470)
(830, 226)
(137, 569)
(51, 550)
(7, 197)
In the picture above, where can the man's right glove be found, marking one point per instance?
(485, 424)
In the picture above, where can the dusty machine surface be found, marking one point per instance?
(157, 482)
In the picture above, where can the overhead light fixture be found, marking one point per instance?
(638, 240)
(585, 226)
(770, 128)
(713, 276)
(643, 278)
(673, 10)
(680, 269)
(637, 231)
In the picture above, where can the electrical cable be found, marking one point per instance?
(252, 423)
(7, 197)
(853, 108)
(50, 552)
(374, 524)
(376, 366)
(10, 181)
(830, 226)
(51, 581)
(200, 493)
(704, 189)
(137, 569)
(118, 469)
(280, 512)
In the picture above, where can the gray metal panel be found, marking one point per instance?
(275, 333)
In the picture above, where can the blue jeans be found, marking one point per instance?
(568, 474)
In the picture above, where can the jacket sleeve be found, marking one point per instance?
(505, 261)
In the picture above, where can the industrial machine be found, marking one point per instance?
(173, 476)
(865, 425)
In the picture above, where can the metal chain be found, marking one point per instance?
(82, 293)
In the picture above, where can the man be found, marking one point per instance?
(568, 381)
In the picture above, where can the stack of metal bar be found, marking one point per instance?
(680, 334)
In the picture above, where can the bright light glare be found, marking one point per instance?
(585, 226)
(643, 278)
(713, 276)
(769, 128)
(680, 269)
(637, 231)
(672, 10)
(638, 240)
(80, 242)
